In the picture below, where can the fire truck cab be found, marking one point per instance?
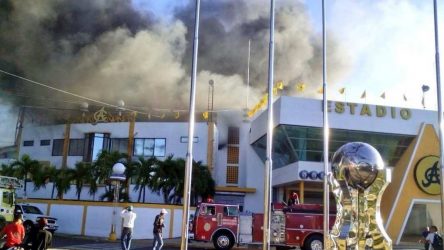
(218, 223)
(299, 225)
(8, 185)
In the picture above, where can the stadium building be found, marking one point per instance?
(234, 150)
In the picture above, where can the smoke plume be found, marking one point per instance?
(110, 51)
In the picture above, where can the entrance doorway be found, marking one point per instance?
(422, 214)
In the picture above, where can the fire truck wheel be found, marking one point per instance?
(314, 242)
(223, 240)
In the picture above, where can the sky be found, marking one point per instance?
(376, 46)
(390, 44)
(391, 47)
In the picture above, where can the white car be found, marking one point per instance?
(32, 214)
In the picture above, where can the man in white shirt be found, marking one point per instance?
(128, 224)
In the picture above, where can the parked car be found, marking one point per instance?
(32, 214)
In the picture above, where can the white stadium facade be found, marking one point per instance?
(233, 147)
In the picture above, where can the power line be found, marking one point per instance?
(44, 99)
(94, 100)
(69, 93)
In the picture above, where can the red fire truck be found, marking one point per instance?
(299, 225)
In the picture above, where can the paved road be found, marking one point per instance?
(64, 242)
(80, 243)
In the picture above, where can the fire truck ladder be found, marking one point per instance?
(10, 182)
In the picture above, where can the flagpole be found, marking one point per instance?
(189, 156)
(326, 130)
(440, 114)
(248, 73)
(268, 161)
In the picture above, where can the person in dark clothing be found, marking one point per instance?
(293, 199)
(157, 229)
(42, 238)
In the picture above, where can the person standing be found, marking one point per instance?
(293, 199)
(41, 238)
(128, 224)
(434, 239)
(14, 231)
(157, 229)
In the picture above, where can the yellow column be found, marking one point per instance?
(210, 146)
(66, 145)
(84, 215)
(301, 191)
(65, 152)
(171, 222)
(132, 123)
(130, 148)
(19, 128)
(48, 210)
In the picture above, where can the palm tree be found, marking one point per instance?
(48, 174)
(43, 176)
(202, 184)
(62, 181)
(167, 178)
(109, 195)
(103, 166)
(25, 167)
(7, 170)
(176, 193)
(102, 170)
(81, 175)
(143, 170)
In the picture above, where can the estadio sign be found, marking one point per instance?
(368, 110)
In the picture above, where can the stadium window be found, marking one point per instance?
(57, 147)
(148, 147)
(94, 144)
(184, 139)
(119, 144)
(76, 147)
(28, 143)
(45, 142)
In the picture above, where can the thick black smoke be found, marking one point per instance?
(109, 50)
(227, 26)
